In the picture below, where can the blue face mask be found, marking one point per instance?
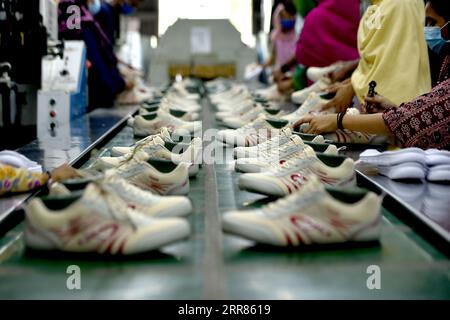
(434, 39)
(95, 7)
(287, 24)
(127, 9)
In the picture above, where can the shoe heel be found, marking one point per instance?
(36, 241)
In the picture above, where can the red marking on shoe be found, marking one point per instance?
(288, 239)
(289, 188)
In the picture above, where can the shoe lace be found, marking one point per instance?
(274, 150)
(117, 208)
(258, 123)
(302, 199)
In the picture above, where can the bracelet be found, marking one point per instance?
(340, 119)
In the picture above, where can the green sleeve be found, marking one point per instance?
(299, 78)
(304, 6)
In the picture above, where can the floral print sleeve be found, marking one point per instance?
(19, 180)
(423, 122)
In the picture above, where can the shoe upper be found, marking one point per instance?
(311, 215)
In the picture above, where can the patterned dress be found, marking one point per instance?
(425, 121)
(19, 180)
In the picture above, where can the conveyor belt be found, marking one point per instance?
(212, 265)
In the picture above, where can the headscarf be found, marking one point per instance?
(329, 34)
(393, 51)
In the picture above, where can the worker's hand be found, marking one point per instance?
(377, 104)
(339, 74)
(319, 124)
(64, 172)
(343, 99)
(333, 88)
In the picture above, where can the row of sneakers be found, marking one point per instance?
(410, 163)
(319, 77)
(252, 123)
(281, 172)
(168, 157)
(177, 109)
(131, 202)
(318, 199)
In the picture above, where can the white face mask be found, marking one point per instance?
(95, 7)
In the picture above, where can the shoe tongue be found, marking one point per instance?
(159, 141)
(287, 131)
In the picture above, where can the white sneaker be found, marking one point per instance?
(295, 149)
(157, 151)
(314, 215)
(236, 92)
(148, 141)
(274, 143)
(300, 97)
(271, 160)
(291, 176)
(316, 73)
(312, 138)
(269, 146)
(151, 205)
(156, 148)
(251, 134)
(173, 181)
(272, 93)
(236, 122)
(313, 102)
(236, 110)
(179, 89)
(97, 222)
(180, 104)
(151, 124)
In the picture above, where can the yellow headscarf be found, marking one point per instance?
(393, 51)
